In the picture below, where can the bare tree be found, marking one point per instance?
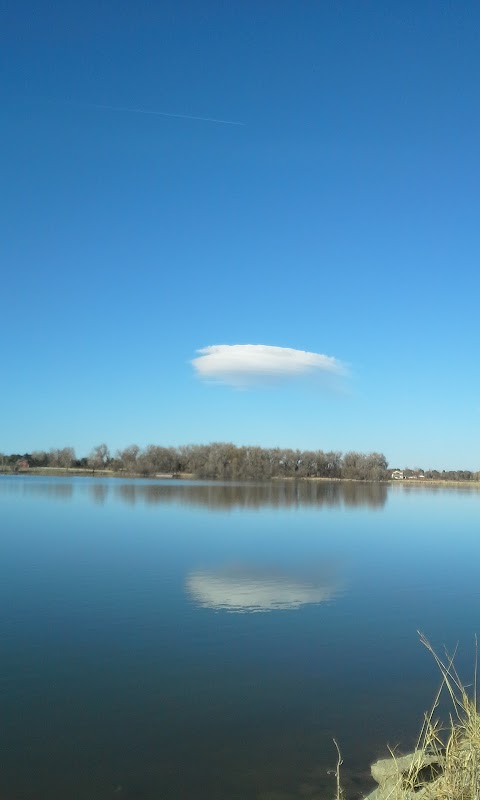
(40, 458)
(99, 457)
(56, 457)
(128, 458)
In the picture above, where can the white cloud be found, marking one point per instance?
(246, 364)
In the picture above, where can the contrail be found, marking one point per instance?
(161, 114)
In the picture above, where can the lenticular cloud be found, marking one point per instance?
(248, 364)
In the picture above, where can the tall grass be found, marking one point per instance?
(457, 747)
(446, 761)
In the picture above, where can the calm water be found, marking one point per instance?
(192, 641)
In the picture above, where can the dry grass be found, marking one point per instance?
(458, 746)
(446, 762)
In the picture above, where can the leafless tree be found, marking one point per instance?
(99, 457)
(127, 458)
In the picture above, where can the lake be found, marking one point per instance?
(176, 640)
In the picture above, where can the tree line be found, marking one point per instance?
(219, 460)
(224, 461)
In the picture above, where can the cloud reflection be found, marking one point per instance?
(248, 590)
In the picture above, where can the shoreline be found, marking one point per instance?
(63, 472)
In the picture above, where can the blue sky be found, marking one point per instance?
(341, 218)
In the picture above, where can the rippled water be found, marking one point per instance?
(182, 640)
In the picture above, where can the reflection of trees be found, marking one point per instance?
(375, 495)
(442, 487)
(277, 494)
(98, 492)
(64, 491)
(54, 491)
(127, 492)
(224, 496)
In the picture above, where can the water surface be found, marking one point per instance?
(178, 640)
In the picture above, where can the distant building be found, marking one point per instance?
(22, 465)
(407, 474)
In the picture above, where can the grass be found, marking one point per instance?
(457, 748)
(446, 761)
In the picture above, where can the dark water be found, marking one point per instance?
(186, 641)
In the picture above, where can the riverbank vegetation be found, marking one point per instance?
(446, 761)
(225, 461)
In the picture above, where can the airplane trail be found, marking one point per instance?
(161, 114)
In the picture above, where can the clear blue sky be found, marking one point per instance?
(341, 218)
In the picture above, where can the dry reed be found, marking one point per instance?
(446, 761)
